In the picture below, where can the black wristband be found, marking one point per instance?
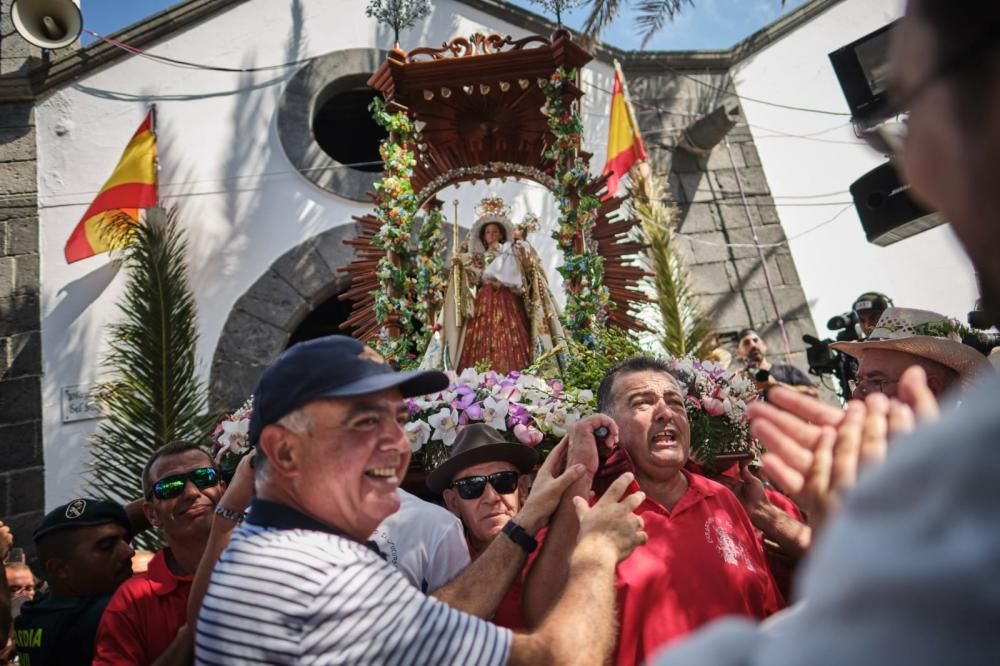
(517, 534)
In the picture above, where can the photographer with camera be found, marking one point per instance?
(751, 349)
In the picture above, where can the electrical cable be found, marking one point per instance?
(193, 65)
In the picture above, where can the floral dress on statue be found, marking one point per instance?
(498, 310)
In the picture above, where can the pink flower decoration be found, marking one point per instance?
(528, 435)
(713, 407)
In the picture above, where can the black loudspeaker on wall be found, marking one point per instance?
(888, 213)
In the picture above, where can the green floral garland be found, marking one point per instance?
(429, 272)
(587, 299)
(412, 284)
(395, 208)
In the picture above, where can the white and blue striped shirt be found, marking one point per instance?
(288, 590)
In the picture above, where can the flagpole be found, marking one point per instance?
(156, 160)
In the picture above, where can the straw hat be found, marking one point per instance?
(925, 334)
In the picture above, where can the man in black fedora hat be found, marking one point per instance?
(485, 483)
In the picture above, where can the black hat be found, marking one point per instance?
(479, 443)
(335, 366)
(871, 300)
(83, 512)
(745, 332)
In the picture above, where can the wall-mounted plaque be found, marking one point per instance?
(79, 403)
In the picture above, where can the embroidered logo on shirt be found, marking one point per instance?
(719, 532)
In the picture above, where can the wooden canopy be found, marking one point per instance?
(477, 105)
(478, 108)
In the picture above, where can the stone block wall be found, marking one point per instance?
(22, 477)
(715, 227)
(22, 480)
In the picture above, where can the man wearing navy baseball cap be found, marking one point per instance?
(298, 582)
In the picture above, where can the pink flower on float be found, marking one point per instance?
(693, 401)
(713, 407)
(528, 435)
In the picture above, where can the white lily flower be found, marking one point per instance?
(235, 435)
(445, 424)
(559, 421)
(419, 433)
(495, 413)
(469, 376)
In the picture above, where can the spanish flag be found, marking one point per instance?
(624, 141)
(132, 186)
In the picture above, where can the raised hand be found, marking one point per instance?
(610, 520)
(583, 445)
(239, 492)
(551, 482)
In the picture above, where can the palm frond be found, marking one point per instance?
(155, 396)
(602, 14)
(653, 15)
(683, 326)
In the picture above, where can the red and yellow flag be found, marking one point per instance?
(132, 186)
(624, 141)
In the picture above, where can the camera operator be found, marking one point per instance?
(752, 349)
(904, 337)
(868, 308)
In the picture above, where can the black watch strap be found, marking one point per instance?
(517, 534)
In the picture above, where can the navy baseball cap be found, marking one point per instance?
(83, 512)
(335, 366)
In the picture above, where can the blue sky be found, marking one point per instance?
(709, 24)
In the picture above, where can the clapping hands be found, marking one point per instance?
(815, 452)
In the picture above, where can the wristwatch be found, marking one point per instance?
(517, 534)
(229, 514)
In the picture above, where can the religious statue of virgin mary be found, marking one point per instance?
(498, 309)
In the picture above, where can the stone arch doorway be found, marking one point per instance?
(278, 309)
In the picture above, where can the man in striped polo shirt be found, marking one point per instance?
(298, 584)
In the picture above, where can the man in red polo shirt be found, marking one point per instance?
(146, 620)
(702, 559)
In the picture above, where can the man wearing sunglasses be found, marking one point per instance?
(145, 622)
(298, 582)
(485, 482)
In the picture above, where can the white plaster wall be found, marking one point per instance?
(809, 154)
(222, 167)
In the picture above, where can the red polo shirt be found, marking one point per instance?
(508, 613)
(702, 561)
(143, 616)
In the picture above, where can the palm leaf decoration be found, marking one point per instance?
(155, 396)
(683, 328)
(650, 18)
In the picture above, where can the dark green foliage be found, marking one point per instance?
(155, 396)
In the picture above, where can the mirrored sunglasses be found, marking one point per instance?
(472, 487)
(170, 487)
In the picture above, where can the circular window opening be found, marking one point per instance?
(345, 130)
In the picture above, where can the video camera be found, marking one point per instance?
(847, 325)
(825, 360)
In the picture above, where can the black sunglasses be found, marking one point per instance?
(472, 487)
(171, 486)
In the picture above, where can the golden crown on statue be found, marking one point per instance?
(493, 206)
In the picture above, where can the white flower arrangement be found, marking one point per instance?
(716, 404)
(535, 411)
(231, 437)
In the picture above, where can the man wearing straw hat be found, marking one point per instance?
(904, 337)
